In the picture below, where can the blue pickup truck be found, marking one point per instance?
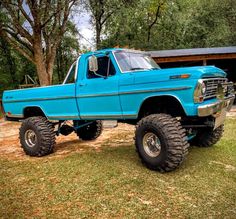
(171, 108)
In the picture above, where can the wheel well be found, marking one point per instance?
(162, 104)
(33, 111)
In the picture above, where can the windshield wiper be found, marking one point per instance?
(155, 68)
(138, 68)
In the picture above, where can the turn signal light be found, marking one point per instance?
(183, 76)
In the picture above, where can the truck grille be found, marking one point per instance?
(212, 87)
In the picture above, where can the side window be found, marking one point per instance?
(105, 68)
(71, 76)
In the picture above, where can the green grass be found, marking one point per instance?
(113, 183)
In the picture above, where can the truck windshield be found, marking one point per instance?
(131, 61)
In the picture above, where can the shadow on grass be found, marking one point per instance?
(79, 146)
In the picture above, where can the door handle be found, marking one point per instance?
(82, 84)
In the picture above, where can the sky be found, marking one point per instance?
(83, 24)
(85, 28)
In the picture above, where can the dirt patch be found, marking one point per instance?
(232, 112)
(10, 147)
(122, 135)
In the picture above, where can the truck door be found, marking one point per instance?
(63, 105)
(97, 93)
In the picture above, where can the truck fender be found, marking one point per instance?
(30, 111)
(169, 100)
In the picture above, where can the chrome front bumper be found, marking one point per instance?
(212, 108)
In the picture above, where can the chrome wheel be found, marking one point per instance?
(30, 138)
(151, 144)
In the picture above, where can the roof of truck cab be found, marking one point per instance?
(114, 50)
(109, 50)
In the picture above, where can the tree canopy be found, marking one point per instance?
(173, 24)
(40, 38)
(35, 29)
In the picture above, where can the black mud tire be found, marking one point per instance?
(173, 142)
(45, 136)
(91, 131)
(207, 137)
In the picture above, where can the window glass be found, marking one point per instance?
(105, 68)
(130, 61)
(71, 77)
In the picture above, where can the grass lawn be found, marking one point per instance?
(113, 183)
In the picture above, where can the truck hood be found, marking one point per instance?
(165, 74)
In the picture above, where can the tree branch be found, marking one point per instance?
(19, 49)
(105, 19)
(16, 23)
(15, 36)
(49, 19)
(67, 10)
(24, 13)
(34, 11)
(157, 14)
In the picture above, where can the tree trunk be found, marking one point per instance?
(58, 63)
(50, 63)
(44, 67)
(45, 71)
(148, 35)
(44, 78)
(98, 36)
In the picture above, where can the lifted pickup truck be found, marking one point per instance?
(171, 108)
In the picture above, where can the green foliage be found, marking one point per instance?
(180, 24)
(13, 67)
(140, 24)
(35, 29)
(209, 23)
(102, 11)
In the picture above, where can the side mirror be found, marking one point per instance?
(93, 63)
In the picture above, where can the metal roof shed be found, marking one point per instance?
(222, 57)
(197, 54)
